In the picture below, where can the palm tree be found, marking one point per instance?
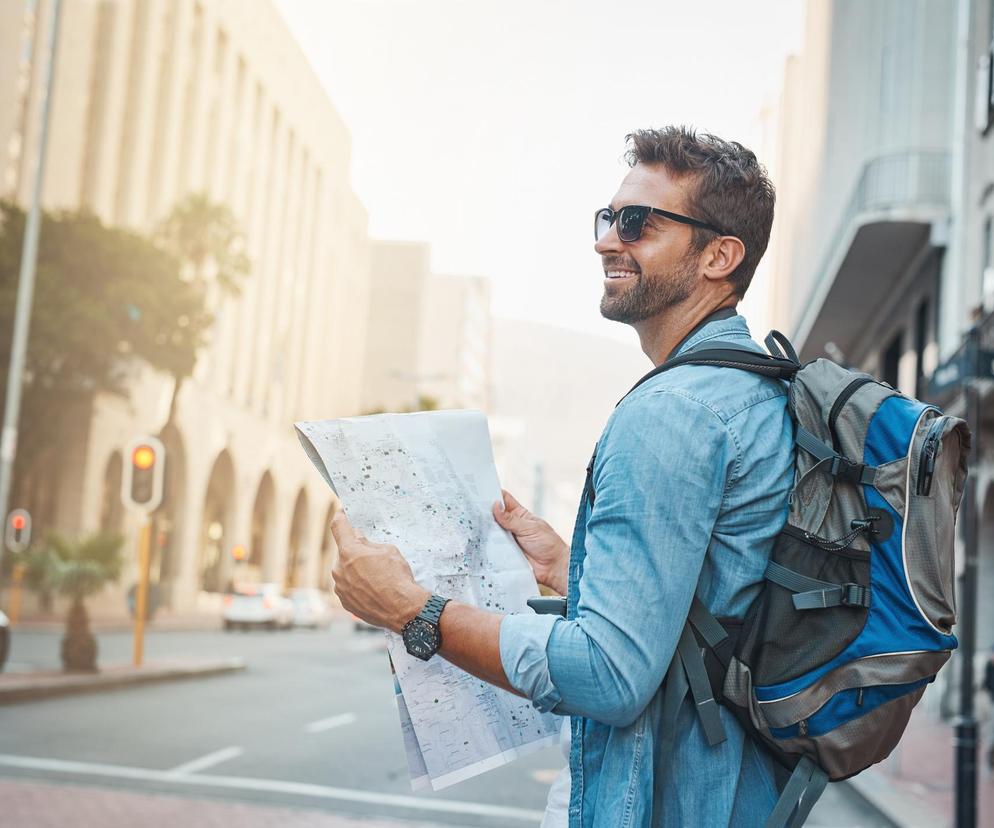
(207, 240)
(77, 569)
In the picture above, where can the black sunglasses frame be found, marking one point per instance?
(613, 216)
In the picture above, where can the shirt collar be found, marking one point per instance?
(698, 334)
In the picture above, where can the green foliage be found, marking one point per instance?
(206, 238)
(75, 568)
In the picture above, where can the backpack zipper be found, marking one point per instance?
(840, 401)
(927, 455)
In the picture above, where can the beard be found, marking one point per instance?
(648, 297)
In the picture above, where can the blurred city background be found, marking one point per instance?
(260, 212)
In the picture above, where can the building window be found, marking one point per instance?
(891, 360)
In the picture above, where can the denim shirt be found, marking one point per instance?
(691, 478)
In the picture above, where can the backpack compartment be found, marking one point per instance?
(935, 479)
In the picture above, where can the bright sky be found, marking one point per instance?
(493, 129)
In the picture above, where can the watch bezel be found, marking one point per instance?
(420, 623)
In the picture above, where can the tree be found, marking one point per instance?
(76, 569)
(103, 298)
(204, 236)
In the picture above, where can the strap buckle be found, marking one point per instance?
(855, 595)
(842, 468)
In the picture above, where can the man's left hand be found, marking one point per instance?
(373, 580)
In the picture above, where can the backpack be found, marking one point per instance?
(854, 618)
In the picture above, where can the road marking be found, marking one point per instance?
(208, 761)
(246, 783)
(327, 724)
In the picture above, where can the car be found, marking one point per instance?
(257, 605)
(310, 608)
(4, 638)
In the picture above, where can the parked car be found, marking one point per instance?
(310, 608)
(257, 605)
(4, 639)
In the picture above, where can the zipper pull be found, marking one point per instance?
(802, 727)
(859, 697)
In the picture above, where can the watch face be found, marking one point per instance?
(421, 639)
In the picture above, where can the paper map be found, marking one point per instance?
(425, 482)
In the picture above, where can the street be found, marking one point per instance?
(311, 724)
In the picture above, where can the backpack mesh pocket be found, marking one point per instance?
(779, 642)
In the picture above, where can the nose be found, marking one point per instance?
(610, 242)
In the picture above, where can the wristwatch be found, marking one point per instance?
(422, 637)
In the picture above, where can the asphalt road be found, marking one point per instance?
(311, 723)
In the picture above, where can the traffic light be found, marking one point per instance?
(141, 482)
(17, 532)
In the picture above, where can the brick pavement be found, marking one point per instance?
(921, 772)
(46, 805)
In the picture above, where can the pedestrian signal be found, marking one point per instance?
(141, 482)
(17, 532)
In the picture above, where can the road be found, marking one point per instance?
(311, 724)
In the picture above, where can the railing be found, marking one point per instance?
(918, 178)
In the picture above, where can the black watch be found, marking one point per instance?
(422, 637)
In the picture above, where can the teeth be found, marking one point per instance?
(620, 274)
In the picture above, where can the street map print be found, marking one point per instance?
(425, 482)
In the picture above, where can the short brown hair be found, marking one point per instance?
(731, 188)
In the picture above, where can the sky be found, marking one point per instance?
(492, 129)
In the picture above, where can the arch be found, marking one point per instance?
(111, 508)
(261, 539)
(167, 528)
(216, 523)
(328, 551)
(985, 573)
(297, 542)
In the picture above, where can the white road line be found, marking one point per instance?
(333, 721)
(304, 789)
(208, 761)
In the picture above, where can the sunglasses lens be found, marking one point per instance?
(630, 222)
(602, 223)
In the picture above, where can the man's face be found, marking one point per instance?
(659, 270)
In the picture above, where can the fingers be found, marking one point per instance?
(342, 529)
(511, 502)
(510, 513)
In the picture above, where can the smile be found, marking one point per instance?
(621, 274)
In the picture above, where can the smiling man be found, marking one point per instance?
(685, 494)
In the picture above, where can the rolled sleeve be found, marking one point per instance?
(524, 641)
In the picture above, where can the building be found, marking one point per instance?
(428, 335)
(884, 247)
(154, 100)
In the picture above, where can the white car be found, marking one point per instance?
(310, 609)
(257, 605)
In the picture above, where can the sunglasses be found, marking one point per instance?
(631, 221)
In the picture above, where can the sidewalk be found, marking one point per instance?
(915, 785)
(45, 805)
(26, 687)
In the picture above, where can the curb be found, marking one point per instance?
(895, 803)
(28, 687)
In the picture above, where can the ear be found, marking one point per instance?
(722, 256)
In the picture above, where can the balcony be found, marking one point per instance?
(887, 223)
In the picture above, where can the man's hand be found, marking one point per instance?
(373, 580)
(547, 553)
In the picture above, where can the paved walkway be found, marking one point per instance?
(43, 805)
(915, 785)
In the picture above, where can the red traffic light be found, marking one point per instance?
(18, 522)
(143, 457)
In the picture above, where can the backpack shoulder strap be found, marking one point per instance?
(728, 355)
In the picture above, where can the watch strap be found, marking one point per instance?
(432, 610)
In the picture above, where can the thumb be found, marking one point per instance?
(510, 514)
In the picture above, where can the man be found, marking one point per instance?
(690, 477)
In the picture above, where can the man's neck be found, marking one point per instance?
(661, 334)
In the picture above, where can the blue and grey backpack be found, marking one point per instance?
(855, 616)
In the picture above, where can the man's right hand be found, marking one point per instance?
(547, 553)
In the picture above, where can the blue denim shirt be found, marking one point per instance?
(691, 479)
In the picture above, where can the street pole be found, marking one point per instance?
(141, 594)
(965, 739)
(25, 289)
